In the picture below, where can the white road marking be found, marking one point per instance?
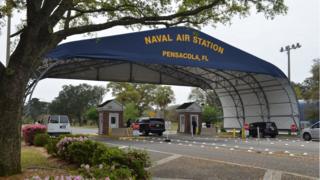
(231, 149)
(272, 175)
(202, 146)
(291, 154)
(249, 150)
(122, 147)
(305, 154)
(266, 149)
(216, 147)
(286, 144)
(302, 145)
(287, 152)
(166, 160)
(270, 152)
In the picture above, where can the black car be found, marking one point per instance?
(265, 129)
(152, 125)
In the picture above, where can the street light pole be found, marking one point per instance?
(288, 49)
(8, 40)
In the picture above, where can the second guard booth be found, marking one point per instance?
(110, 116)
(187, 113)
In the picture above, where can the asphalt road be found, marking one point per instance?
(228, 152)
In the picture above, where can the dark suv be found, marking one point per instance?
(265, 129)
(151, 125)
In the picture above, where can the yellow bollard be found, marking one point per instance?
(243, 133)
(234, 133)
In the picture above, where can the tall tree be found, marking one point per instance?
(310, 86)
(142, 95)
(205, 97)
(35, 107)
(131, 112)
(74, 101)
(48, 22)
(163, 96)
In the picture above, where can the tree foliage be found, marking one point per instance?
(309, 88)
(35, 108)
(76, 100)
(205, 97)
(92, 115)
(163, 96)
(141, 95)
(131, 111)
(210, 114)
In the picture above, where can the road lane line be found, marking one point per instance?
(272, 175)
(165, 160)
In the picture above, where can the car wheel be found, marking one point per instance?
(273, 136)
(307, 136)
(146, 133)
(160, 134)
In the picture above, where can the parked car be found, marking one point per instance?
(265, 129)
(311, 132)
(151, 125)
(58, 124)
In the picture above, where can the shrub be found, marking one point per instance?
(134, 160)
(63, 144)
(29, 131)
(102, 171)
(81, 152)
(138, 161)
(52, 146)
(41, 139)
(223, 130)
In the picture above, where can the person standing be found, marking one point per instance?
(128, 123)
(194, 127)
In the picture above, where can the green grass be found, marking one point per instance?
(33, 157)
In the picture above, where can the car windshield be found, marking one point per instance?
(64, 119)
(54, 119)
(316, 125)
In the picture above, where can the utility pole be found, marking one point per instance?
(8, 40)
(288, 49)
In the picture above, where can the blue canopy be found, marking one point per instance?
(172, 46)
(249, 88)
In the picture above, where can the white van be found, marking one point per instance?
(58, 124)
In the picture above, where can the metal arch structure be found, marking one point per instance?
(248, 88)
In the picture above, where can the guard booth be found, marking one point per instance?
(187, 113)
(110, 116)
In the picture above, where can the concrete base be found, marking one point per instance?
(208, 131)
(120, 132)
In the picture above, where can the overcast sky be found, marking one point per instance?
(254, 34)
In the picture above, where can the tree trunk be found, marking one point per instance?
(35, 41)
(12, 89)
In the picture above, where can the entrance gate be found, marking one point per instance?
(250, 89)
